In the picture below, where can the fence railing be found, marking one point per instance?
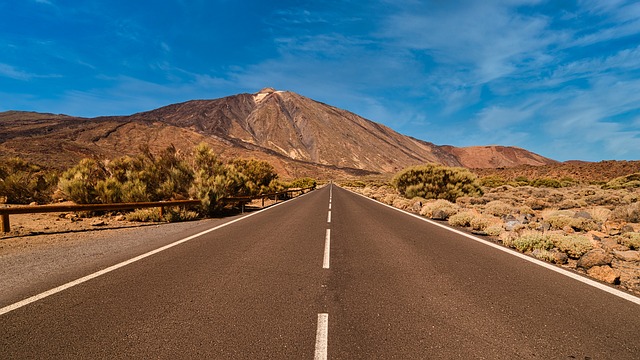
(5, 225)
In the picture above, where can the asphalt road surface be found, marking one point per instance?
(329, 275)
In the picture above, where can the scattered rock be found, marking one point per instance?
(610, 244)
(614, 232)
(98, 223)
(417, 206)
(597, 235)
(33, 204)
(595, 257)
(582, 215)
(544, 227)
(629, 255)
(605, 273)
(439, 215)
(559, 257)
(70, 216)
(630, 273)
(626, 229)
(479, 232)
(120, 218)
(510, 225)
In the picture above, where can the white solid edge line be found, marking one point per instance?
(327, 249)
(613, 291)
(322, 337)
(94, 275)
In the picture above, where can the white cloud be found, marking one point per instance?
(496, 118)
(14, 73)
(490, 38)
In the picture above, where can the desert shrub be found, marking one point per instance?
(79, 183)
(627, 213)
(145, 215)
(630, 240)
(494, 230)
(212, 180)
(401, 203)
(178, 214)
(544, 255)
(446, 206)
(258, 177)
(171, 214)
(433, 181)
(531, 240)
(624, 182)
(165, 176)
(574, 245)
(353, 183)
(536, 203)
(482, 223)
(546, 182)
(559, 222)
(499, 208)
(109, 191)
(569, 204)
(23, 183)
(492, 181)
(462, 219)
(302, 183)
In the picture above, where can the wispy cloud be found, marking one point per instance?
(12, 72)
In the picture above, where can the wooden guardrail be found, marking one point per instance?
(5, 225)
(35, 209)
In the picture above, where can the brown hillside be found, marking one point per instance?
(578, 170)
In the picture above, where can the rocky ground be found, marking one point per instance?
(583, 228)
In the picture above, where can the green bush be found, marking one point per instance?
(493, 181)
(573, 245)
(630, 240)
(258, 177)
(499, 208)
(79, 184)
(433, 181)
(301, 183)
(546, 182)
(531, 240)
(462, 219)
(624, 182)
(24, 183)
(446, 206)
(213, 180)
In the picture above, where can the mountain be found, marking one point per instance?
(299, 136)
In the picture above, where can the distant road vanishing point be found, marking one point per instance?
(329, 275)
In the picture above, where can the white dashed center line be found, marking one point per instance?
(322, 337)
(327, 249)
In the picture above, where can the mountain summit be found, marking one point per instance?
(297, 133)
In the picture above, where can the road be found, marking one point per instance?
(327, 275)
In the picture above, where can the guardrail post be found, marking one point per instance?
(6, 226)
(263, 201)
(161, 212)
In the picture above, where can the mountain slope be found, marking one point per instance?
(301, 136)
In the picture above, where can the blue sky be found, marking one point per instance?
(560, 78)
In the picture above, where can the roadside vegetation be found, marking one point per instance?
(592, 228)
(168, 175)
